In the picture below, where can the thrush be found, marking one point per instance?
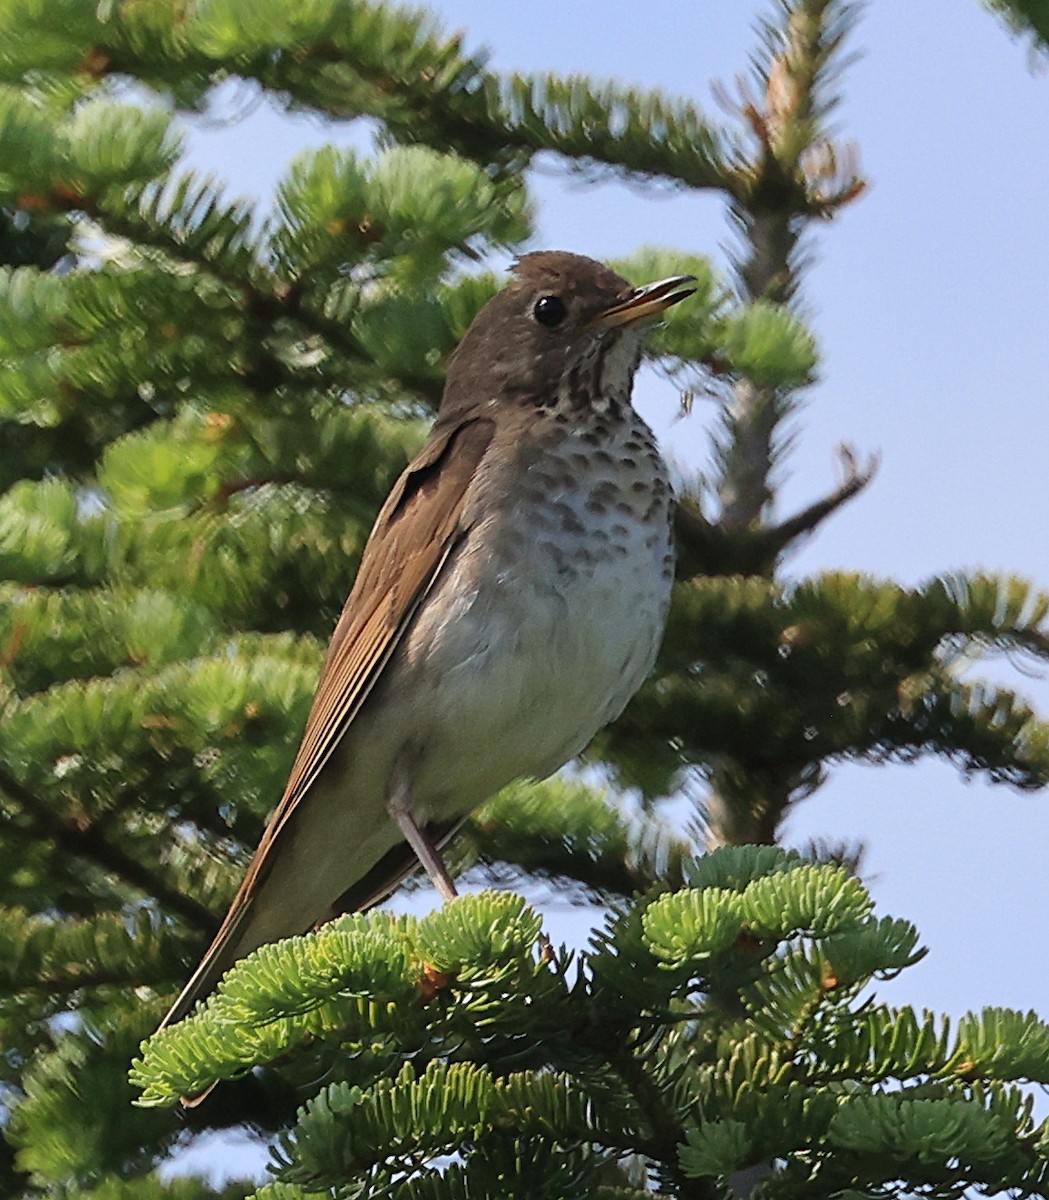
(510, 600)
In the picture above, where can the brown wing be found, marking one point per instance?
(417, 529)
(412, 536)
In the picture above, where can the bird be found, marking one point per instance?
(510, 600)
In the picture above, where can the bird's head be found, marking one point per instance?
(565, 331)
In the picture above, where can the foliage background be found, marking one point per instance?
(931, 309)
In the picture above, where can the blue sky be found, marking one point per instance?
(930, 299)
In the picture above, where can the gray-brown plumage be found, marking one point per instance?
(509, 602)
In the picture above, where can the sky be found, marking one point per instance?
(930, 300)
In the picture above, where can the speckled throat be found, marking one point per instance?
(600, 381)
(579, 493)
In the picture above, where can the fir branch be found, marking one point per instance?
(666, 1133)
(396, 67)
(779, 537)
(145, 218)
(701, 1086)
(263, 300)
(746, 651)
(357, 59)
(1029, 16)
(59, 956)
(142, 216)
(84, 841)
(776, 194)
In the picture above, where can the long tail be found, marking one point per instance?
(239, 934)
(223, 952)
(234, 940)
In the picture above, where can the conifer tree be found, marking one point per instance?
(200, 412)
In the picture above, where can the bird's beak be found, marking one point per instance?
(646, 302)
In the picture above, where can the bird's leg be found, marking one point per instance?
(398, 805)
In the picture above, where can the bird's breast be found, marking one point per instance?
(549, 615)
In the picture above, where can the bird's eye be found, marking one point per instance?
(549, 310)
